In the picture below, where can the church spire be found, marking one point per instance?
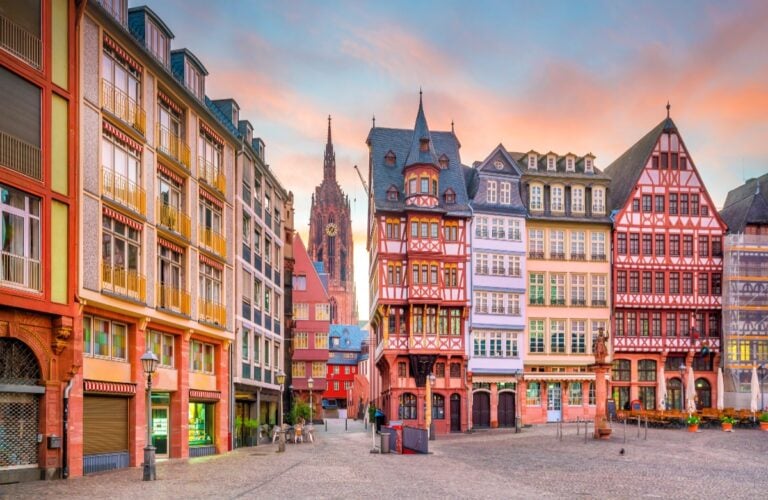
(329, 164)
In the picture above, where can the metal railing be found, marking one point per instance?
(20, 42)
(172, 146)
(123, 281)
(21, 271)
(122, 106)
(211, 174)
(173, 299)
(18, 155)
(174, 219)
(123, 191)
(212, 312)
(213, 240)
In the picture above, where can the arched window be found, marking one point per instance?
(646, 370)
(438, 407)
(408, 406)
(674, 394)
(19, 407)
(621, 370)
(392, 193)
(703, 394)
(450, 196)
(390, 158)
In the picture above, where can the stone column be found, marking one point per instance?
(601, 395)
(221, 420)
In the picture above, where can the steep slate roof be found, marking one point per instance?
(400, 141)
(578, 171)
(352, 333)
(746, 204)
(626, 169)
(482, 170)
(421, 132)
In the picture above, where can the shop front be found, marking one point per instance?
(106, 437)
(161, 424)
(201, 423)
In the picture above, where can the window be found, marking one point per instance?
(481, 230)
(392, 193)
(121, 89)
(172, 207)
(646, 203)
(322, 312)
(557, 199)
(557, 289)
(513, 229)
(424, 185)
(321, 340)
(481, 302)
(440, 370)
(621, 282)
(536, 288)
(619, 322)
(647, 244)
(687, 283)
(497, 265)
(703, 246)
(598, 201)
(120, 247)
(194, 80)
(578, 290)
(481, 263)
(574, 394)
(671, 325)
(200, 424)
(688, 245)
(598, 246)
(621, 370)
(533, 394)
(451, 231)
(703, 284)
(569, 164)
(634, 244)
(455, 370)
(660, 252)
(536, 243)
(634, 282)
(621, 243)
(161, 344)
(20, 229)
(212, 309)
(536, 336)
(497, 228)
(267, 249)
(121, 173)
(256, 348)
(578, 337)
(171, 286)
(491, 192)
(659, 203)
(656, 324)
(170, 133)
(694, 202)
(599, 286)
(513, 265)
(647, 288)
(299, 282)
(646, 370)
(632, 324)
(532, 162)
(672, 203)
(104, 338)
(479, 345)
(438, 407)
(200, 357)
(684, 204)
(505, 193)
(577, 199)
(551, 163)
(393, 229)
(537, 198)
(318, 369)
(674, 283)
(716, 284)
(674, 245)
(298, 369)
(635, 205)
(717, 246)
(211, 222)
(157, 43)
(557, 336)
(557, 244)
(578, 245)
(407, 406)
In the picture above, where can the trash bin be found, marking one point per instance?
(384, 446)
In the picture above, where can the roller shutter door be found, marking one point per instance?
(105, 425)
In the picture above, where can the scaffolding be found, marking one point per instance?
(745, 313)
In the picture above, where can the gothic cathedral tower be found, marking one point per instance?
(330, 240)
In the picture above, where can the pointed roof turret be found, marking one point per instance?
(329, 163)
(422, 150)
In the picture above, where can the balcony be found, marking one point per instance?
(174, 219)
(122, 106)
(122, 190)
(20, 42)
(172, 146)
(20, 271)
(20, 156)
(211, 174)
(173, 299)
(212, 312)
(125, 282)
(213, 241)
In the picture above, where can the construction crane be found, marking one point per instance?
(365, 186)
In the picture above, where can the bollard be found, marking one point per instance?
(326, 425)
(578, 425)
(345, 425)
(645, 437)
(638, 427)
(625, 429)
(586, 430)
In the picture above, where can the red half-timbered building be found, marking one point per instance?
(419, 258)
(667, 274)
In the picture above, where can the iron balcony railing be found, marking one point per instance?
(213, 240)
(20, 42)
(211, 174)
(174, 219)
(122, 106)
(121, 281)
(173, 299)
(124, 191)
(212, 312)
(172, 146)
(17, 270)
(20, 156)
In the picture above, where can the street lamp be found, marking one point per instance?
(149, 364)
(310, 383)
(281, 380)
(761, 372)
(682, 387)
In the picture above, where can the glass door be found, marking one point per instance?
(160, 430)
(554, 402)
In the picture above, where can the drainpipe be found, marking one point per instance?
(65, 433)
(232, 394)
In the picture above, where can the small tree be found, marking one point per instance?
(300, 409)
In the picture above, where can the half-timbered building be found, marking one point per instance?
(419, 258)
(667, 273)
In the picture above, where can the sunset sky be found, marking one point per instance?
(562, 76)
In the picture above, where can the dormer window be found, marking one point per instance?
(569, 164)
(443, 161)
(157, 43)
(450, 196)
(118, 9)
(551, 163)
(412, 186)
(194, 80)
(424, 145)
(392, 193)
(389, 158)
(588, 167)
(532, 162)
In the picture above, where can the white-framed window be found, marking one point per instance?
(588, 166)
(20, 230)
(532, 161)
(322, 312)
(491, 192)
(497, 264)
(210, 283)
(556, 199)
(578, 245)
(557, 289)
(170, 267)
(481, 263)
(157, 43)
(300, 311)
(321, 340)
(267, 353)
(557, 244)
(481, 229)
(497, 228)
(301, 340)
(120, 246)
(578, 290)
(256, 348)
(124, 95)
(299, 282)
(161, 344)
(318, 369)
(598, 201)
(200, 357)
(497, 303)
(536, 288)
(533, 394)
(557, 336)
(194, 80)
(597, 245)
(513, 304)
(551, 163)
(513, 229)
(267, 300)
(599, 286)
(569, 164)
(267, 249)
(537, 197)
(577, 199)
(121, 179)
(578, 337)
(505, 193)
(535, 336)
(481, 302)
(513, 265)
(257, 287)
(103, 338)
(210, 220)
(172, 201)
(536, 243)
(575, 394)
(494, 344)
(299, 369)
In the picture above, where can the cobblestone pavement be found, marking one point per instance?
(491, 464)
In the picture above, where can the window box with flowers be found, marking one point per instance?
(693, 422)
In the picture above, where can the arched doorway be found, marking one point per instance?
(506, 410)
(674, 394)
(455, 413)
(703, 394)
(481, 409)
(19, 405)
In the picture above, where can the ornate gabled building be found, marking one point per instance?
(667, 273)
(330, 239)
(498, 289)
(418, 220)
(745, 289)
(568, 272)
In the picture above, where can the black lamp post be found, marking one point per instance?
(310, 384)
(149, 364)
(682, 387)
(281, 380)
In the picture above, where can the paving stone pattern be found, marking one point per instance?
(490, 464)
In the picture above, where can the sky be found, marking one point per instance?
(572, 76)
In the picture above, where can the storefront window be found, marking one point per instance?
(200, 424)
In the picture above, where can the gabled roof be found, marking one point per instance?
(626, 169)
(746, 204)
(421, 133)
(304, 263)
(483, 170)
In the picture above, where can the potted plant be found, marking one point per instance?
(727, 423)
(251, 431)
(693, 422)
(764, 421)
